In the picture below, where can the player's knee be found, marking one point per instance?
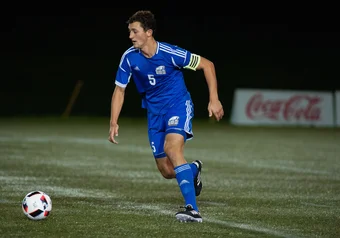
(167, 174)
(166, 168)
(166, 171)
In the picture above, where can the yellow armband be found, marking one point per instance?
(194, 62)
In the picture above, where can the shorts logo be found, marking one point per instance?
(173, 121)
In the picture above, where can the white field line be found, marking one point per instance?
(232, 224)
(317, 205)
(193, 153)
(18, 184)
(250, 227)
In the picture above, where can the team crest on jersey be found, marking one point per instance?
(173, 121)
(160, 70)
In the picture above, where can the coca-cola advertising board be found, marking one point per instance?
(271, 107)
(337, 109)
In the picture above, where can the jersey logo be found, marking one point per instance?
(160, 70)
(136, 68)
(173, 121)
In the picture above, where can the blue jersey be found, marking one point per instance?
(158, 79)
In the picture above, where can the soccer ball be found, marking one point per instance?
(36, 205)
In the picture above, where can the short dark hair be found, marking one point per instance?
(146, 19)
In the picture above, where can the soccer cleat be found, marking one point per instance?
(197, 180)
(189, 215)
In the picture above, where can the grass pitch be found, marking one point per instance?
(257, 182)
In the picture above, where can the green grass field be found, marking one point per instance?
(257, 182)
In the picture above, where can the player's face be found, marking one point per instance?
(137, 35)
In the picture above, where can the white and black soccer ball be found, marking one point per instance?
(36, 205)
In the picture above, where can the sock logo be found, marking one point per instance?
(184, 181)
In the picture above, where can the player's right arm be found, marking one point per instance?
(122, 79)
(116, 107)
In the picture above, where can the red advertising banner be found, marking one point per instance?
(271, 107)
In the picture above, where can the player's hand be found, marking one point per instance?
(215, 109)
(113, 132)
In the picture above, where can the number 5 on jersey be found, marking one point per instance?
(152, 79)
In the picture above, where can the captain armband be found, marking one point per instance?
(194, 62)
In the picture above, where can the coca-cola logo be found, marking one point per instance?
(298, 107)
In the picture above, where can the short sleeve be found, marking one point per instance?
(123, 74)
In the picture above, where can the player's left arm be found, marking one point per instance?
(197, 62)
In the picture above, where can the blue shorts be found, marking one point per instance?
(177, 120)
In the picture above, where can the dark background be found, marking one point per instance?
(46, 50)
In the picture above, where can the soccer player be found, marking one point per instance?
(156, 68)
